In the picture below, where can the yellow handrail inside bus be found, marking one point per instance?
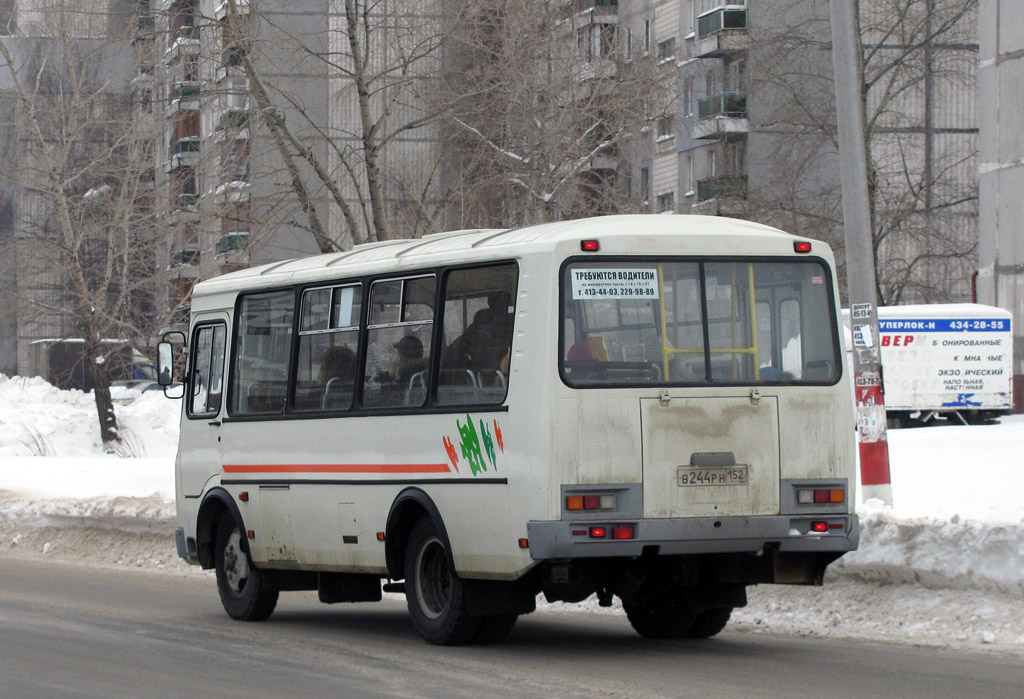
(667, 351)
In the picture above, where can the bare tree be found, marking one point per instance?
(917, 98)
(544, 106)
(85, 223)
(375, 155)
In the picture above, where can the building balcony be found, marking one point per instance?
(721, 196)
(720, 44)
(224, 9)
(188, 256)
(234, 192)
(233, 119)
(721, 116)
(233, 249)
(184, 46)
(722, 18)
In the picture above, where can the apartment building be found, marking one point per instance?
(753, 132)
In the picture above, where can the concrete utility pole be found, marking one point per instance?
(860, 268)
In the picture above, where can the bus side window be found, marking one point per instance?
(398, 339)
(262, 349)
(207, 371)
(328, 346)
(479, 307)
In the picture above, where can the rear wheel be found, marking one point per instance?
(495, 628)
(671, 619)
(239, 582)
(435, 593)
(709, 622)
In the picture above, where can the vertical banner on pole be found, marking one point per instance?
(875, 480)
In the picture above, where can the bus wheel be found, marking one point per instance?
(709, 622)
(435, 594)
(495, 628)
(239, 582)
(666, 620)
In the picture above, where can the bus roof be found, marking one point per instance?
(617, 234)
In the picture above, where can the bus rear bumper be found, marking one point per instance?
(693, 535)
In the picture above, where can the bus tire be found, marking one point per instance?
(495, 628)
(671, 619)
(240, 583)
(435, 594)
(709, 622)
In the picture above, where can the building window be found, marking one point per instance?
(667, 49)
(645, 184)
(666, 202)
(666, 127)
(647, 36)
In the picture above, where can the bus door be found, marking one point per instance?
(200, 446)
(713, 449)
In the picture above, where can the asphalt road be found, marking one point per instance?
(71, 631)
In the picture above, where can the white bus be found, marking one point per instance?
(649, 407)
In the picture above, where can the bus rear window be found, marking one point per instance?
(691, 322)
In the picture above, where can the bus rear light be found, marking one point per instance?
(820, 527)
(624, 531)
(819, 496)
(598, 532)
(590, 246)
(802, 246)
(590, 502)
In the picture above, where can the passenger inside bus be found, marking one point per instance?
(482, 349)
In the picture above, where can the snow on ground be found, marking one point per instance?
(944, 566)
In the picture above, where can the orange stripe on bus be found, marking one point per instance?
(336, 468)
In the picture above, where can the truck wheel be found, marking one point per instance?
(239, 582)
(435, 593)
(709, 622)
(666, 620)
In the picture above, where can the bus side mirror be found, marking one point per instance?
(164, 364)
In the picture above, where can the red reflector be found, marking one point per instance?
(598, 532)
(589, 245)
(591, 502)
(623, 532)
(819, 526)
(821, 496)
(244, 496)
(836, 525)
(579, 532)
(524, 543)
(801, 246)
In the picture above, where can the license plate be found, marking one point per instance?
(700, 475)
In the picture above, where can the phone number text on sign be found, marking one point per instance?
(614, 284)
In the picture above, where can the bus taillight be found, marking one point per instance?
(590, 502)
(624, 531)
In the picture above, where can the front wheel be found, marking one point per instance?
(435, 593)
(239, 582)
